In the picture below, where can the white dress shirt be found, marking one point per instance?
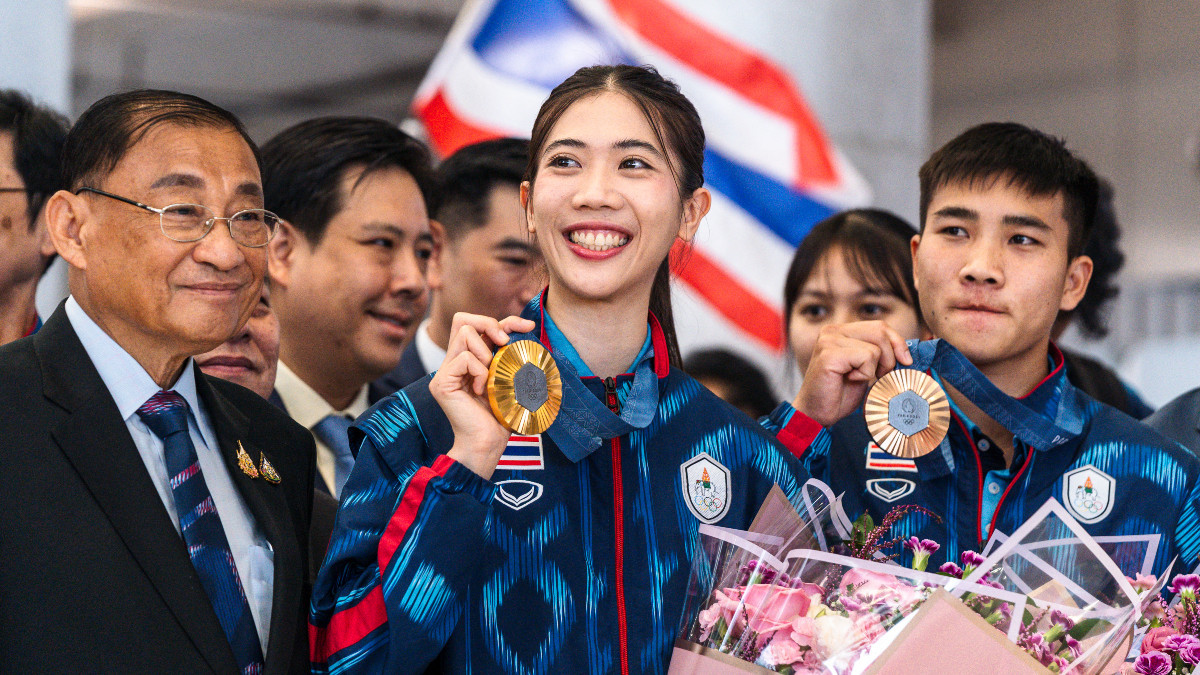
(430, 354)
(131, 386)
(308, 408)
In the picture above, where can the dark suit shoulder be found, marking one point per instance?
(1179, 419)
(258, 409)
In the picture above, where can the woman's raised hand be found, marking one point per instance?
(460, 388)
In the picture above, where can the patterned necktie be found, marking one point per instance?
(166, 415)
(333, 432)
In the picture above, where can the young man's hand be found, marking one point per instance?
(846, 361)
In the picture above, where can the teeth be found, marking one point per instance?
(603, 241)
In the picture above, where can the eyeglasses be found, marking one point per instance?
(191, 222)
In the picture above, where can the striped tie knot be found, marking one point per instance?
(165, 413)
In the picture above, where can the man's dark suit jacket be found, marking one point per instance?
(93, 576)
(1179, 420)
(409, 370)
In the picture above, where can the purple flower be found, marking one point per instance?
(1074, 647)
(1185, 585)
(1153, 663)
(971, 560)
(1191, 653)
(921, 550)
(1180, 642)
(1061, 619)
(952, 570)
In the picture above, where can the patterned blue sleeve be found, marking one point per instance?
(403, 550)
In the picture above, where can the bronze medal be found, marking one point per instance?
(524, 387)
(907, 413)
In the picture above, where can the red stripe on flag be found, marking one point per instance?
(347, 627)
(448, 131)
(518, 462)
(406, 513)
(729, 296)
(738, 68)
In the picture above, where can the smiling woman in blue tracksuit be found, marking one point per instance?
(460, 549)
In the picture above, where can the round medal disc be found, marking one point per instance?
(907, 413)
(524, 387)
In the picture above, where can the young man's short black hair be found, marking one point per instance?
(1103, 247)
(1025, 158)
(465, 181)
(38, 136)
(303, 166)
(114, 124)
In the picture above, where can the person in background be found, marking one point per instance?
(347, 270)
(457, 551)
(486, 263)
(250, 358)
(852, 266)
(733, 379)
(31, 141)
(1090, 316)
(152, 519)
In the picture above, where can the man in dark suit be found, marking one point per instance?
(1179, 420)
(153, 519)
(347, 270)
(487, 263)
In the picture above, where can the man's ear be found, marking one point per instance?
(1079, 273)
(282, 253)
(66, 215)
(434, 272)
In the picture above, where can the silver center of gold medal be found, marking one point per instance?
(907, 413)
(524, 387)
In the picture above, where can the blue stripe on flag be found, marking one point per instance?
(786, 212)
(543, 41)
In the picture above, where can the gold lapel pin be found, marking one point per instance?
(245, 463)
(268, 471)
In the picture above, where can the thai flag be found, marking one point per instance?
(524, 453)
(771, 168)
(881, 460)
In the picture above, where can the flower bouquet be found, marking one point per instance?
(820, 595)
(1171, 645)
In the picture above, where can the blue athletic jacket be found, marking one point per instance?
(1117, 477)
(550, 566)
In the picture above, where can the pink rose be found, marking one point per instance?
(770, 608)
(804, 631)
(708, 618)
(880, 588)
(782, 652)
(1155, 637)
(1142, 582)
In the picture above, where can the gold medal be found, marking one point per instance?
(524, 387)
(907, 413)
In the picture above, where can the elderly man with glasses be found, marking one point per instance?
(152, 519)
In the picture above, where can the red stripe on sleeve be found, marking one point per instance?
(798, 434)
(347, 627)
(406, 513)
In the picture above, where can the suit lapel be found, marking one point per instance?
(268, 504)
(96, 441)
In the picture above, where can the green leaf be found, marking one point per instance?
(1083, 628)
(862, 528)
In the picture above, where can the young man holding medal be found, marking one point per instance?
(1005, 211)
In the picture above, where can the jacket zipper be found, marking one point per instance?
(610, 395)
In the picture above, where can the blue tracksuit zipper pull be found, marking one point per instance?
(610, 395)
